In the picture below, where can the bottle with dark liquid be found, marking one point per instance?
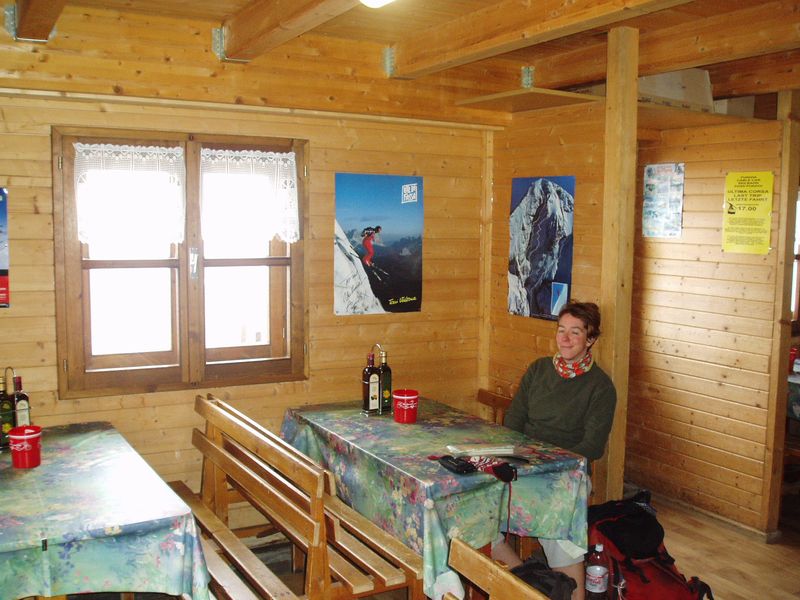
(370, 387)
(22, 404)
(385, 380)
(6, 413)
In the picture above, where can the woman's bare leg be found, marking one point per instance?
(503, 552)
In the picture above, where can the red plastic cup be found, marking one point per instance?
(26, 446)
(405, 405)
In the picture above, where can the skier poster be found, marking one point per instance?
(377, 248)
(540, 246)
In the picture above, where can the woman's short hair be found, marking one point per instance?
(588, 312)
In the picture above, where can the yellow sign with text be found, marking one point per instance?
(747, 215)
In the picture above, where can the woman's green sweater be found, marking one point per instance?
(575, 414)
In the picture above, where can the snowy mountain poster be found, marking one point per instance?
(540, 248)
(377, 246)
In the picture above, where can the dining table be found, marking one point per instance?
(389, 472)
(94, 517)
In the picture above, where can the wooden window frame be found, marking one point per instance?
(189, 365)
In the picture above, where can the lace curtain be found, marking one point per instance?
(125, 193)
(266, 179)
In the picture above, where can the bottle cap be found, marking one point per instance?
(383, 354)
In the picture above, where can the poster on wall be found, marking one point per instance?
(662, 205)
(5, 293)
(377, 250)
(540, 246)
(747, 213)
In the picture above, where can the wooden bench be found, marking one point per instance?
(345, 554)
(489, 575)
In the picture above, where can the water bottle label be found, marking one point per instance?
(596, 578)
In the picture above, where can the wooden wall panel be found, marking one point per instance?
(451, 160)
(701, 336)
(566, 141)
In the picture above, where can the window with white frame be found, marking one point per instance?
(180, 261)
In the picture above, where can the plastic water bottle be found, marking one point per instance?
(597, 575)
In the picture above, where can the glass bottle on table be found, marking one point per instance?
(22, 404)
(6, 413)
(370, 387)
(385, 382)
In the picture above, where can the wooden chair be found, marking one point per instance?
(345, 555)
(489, 575)
(496, 403)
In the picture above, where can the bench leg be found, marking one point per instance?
(298, 559)
(415, 591)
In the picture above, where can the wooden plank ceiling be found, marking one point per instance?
(748, 46)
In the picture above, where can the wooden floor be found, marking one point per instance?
(737, 564)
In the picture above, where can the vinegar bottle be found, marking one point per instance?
(370, 387)
(597, 575)
(385, 378)
(22, 404)
(6, 413)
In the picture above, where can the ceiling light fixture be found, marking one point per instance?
(375, 3)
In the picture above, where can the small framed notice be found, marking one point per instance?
(662, 200)
(747, 212)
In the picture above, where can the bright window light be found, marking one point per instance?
(375, 3)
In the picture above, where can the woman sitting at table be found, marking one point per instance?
(568, 401)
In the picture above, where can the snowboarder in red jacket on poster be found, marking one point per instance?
(367, 240)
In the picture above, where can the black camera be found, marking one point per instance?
(457, 464)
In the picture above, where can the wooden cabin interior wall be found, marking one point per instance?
(702, 334)
(449, 159)
(702, 326)
(105, 71)
(554, 142)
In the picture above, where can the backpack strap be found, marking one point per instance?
(701, 588)
(617, 581)
(631, 566)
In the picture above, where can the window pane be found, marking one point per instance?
(237, 306)
(129, 200)
(235, 215)
(131, 310)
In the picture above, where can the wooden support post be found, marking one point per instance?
(619, 196)
(485, 291)
(786, 192)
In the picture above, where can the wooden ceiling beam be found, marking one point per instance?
(36, 18)
(758, 75)
(510, 25)
(761, 30)
(266, 24)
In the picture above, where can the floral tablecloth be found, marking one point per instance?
(94, 517)
(383, 470)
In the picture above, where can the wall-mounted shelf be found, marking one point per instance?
(527, 99)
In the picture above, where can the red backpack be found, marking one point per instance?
(640, 568)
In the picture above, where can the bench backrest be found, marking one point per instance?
(489, 575)
(286, 489)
